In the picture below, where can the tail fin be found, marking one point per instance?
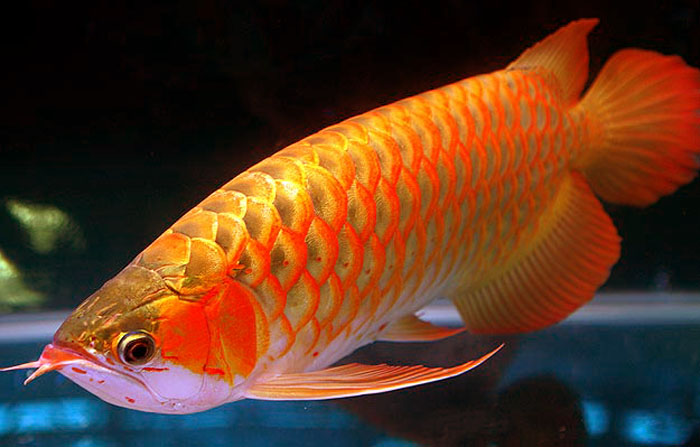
(644, 110)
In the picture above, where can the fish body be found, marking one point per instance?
(482, 191)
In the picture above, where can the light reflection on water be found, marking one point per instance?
(596, 416)
(659, 427)
(63, 414)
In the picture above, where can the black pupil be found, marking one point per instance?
(137, 351)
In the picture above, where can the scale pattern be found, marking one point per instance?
(368, 220)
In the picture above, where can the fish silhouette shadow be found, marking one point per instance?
(469, 410)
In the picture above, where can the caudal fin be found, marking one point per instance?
(644, 110)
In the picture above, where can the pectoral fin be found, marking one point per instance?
(412, 328)
(353, 380)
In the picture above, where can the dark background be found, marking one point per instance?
(125, 115)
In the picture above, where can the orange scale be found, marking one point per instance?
(389, 296)
(271, 297)
(199, 224)
(223, 201)
(429, 135)
(330, 300)
(252, 184)
(393, 113)
(387, 218)
(255, 262)
(366, 312)
(408, 193)
(338, 163)
(362, 211)
(463, 173)
(351, 130)
(350, 253)
(433, 248)
(429, 183)
(495, 107)
(348, 310)
(327, 195)
(288, 257)
(366, 162)
(325, 138)
(447, 178)
(409, 143)
(284, 331)
(415, 242)
(280, 167)
(302, 301)
(444, 120)
(388, 153)
(372, 120)
(373, 265)
(262, 221)
(455, 92)
(322, 250)
(231, 235)
(309, 336)
(494, 156)
(170, 249)
(300, 151)
(294, 205)
(482, 117)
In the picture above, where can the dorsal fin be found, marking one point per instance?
(565, 54)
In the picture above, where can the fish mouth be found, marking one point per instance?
(89, 372)
(55, 358)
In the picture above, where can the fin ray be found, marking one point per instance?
(555, 274)
(412, 329)
(565, 54)
(644, 110)
(353, 380)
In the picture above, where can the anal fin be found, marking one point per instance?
(555, 273)
(411, 329)
(353, 380)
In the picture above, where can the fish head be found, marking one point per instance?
(137, 343)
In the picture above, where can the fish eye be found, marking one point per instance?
(136, 348)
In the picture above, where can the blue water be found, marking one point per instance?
(610, 386)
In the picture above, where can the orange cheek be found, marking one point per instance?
(234, 324)
(183, 334)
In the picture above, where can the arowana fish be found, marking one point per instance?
(483, 191)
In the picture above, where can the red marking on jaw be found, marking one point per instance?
(315, 354)
(214, 371)
(128, 369)
(382, 327)
(110, 361)
(78, 370)
(153, 369)
(130, 400)
(100, 382)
